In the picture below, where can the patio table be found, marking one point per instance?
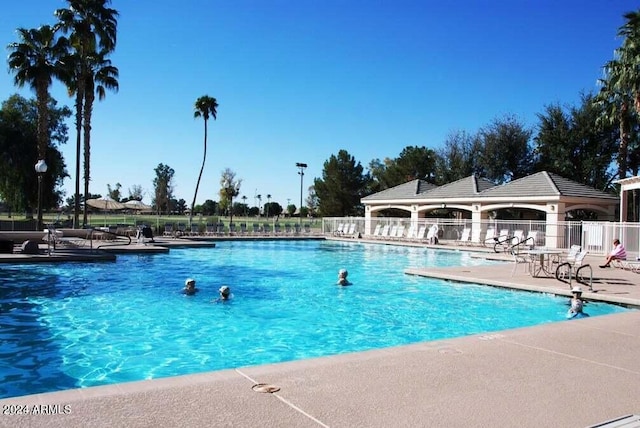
(542, 261)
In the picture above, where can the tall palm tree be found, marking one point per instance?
(92, 26)
(629, 56)
(205, 107)
(102, 76)
(36, 59)
(616, 101)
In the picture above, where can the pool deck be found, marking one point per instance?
(567, 374)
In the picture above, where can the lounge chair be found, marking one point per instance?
(232, 228)
(384, 233)
(518, 237)
(220, 229)
(195, 229)
(287, 229)
(210, 229)
(243, 228)
(277, 229)
(181, 229)
(376, 230)
(266, 229)
(306, 228)
(464, 236)
(411, 232)
(351, 230)
(490, 237)
(256, 229)
(400, 232)
(296, 229)
(432, 234)
(392, 233)
(422, 231)
(340, 229)
(168, 230)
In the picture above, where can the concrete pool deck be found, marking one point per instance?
(566, 374)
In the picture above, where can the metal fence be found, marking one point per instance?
(595, 237)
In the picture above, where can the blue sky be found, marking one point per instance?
(299, 80)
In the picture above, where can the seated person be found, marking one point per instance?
(618, 253)
(342, 277)
(225, 294)
(190, 287)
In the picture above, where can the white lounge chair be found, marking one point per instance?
(464, 237)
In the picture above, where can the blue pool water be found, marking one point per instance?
(78, 325)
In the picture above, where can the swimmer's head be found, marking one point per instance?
(225, 291)
(190, 282)
(342, 273)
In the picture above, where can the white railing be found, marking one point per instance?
(595, 237)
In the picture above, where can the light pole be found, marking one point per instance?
(302, 166)
(41, 168)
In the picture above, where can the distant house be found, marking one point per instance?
(478, 198)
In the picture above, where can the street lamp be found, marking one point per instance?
(41, 168)
(302, 166)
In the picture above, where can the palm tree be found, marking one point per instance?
(205, 106)
(268, 205)
(36, 59)
(616, 100)
(244, 202)
(100, 77)
(92, 26)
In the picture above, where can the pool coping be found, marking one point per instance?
(573, 373)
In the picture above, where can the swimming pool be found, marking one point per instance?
(76, 325)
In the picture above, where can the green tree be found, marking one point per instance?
(92, 28)
(205, 107)
(19, 150)
(341, 187)
(458, 158)
(114, 192)
(507, 153)
(163, 188)
(570, 144)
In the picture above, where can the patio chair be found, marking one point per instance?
(181, 229)
(422, 231)
(277, 229)
(519, 259)
(232, 228)
(255, 229)
(351, 230)
(266, 229)
(567, 271)
(296, 229)
(220, 229)
(306, 228)
(340, 229)
(376, 230)
(400, 232)
(384, 233)
(287, 229)
(243, 228)
(168, 230)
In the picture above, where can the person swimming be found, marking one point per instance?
(342, 277)
(190, 287)
(225, 294)
(576, 304)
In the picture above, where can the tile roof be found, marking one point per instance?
(411, 190)
(545, 184)
(542, 184)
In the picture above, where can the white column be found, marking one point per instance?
(554, 235)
